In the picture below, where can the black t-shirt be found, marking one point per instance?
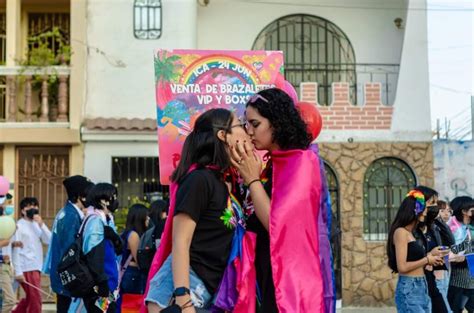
(262, 257)
(203, 196)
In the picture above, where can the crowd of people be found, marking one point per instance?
(430, 246)
(225, 245)
(235, 240)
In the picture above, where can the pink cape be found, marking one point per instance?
(294, 236)
(164, 249)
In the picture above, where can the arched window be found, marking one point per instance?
(315, 49)
(386, 183)
(147, 19)
(333, 187)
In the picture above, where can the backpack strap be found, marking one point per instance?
(83, 226)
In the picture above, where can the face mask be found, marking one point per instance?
(113, 206)
(432, 213)
(9, 210)
(31, 212)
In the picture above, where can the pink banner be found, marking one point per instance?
(189, 82)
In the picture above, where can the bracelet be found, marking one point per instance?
(428, 260)
(253, 181)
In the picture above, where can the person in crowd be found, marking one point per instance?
(28, 260)
(445, 211)
(101, 245)
(133, 280)
(280, 196)
(428, 234)
(461, 283)
(158, 214)
(65, 228)
(6, 246)
(408, 257)
(447, 240)
(190, 269)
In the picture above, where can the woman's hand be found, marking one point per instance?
(246, 161)
(434, 259)
(438, 251)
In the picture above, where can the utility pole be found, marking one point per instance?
(438, 127)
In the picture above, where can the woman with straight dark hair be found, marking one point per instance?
(461, 283)
(429, 235)
(201, 240)
(133, 279)
(408, 257)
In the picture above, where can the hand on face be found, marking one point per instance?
(246, 161)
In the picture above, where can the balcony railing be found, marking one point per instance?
(355, 74)
(34, 94)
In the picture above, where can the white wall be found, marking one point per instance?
(412, 102)
(127, 91)
(454, 168)
(235, 24)
(98, 156)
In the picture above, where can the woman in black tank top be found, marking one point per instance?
(408, 258)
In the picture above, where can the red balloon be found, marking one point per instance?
(311, 117)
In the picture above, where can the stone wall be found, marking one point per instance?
(366, 278)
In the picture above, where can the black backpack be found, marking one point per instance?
(146, 249)
(73, 271)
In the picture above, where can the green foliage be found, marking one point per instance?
(120, 216)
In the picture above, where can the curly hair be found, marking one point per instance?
(289, 129)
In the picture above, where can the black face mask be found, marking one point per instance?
(113, 206)
(84, 202)
(32, 212)
(432, 213)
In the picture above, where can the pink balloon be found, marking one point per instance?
(4, 185)
(290, 90)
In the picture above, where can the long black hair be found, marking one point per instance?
(405, 216)
(202, 146)
(433, 211)
(136, 218)
(289, 129)
(427, 192)
(460, 204)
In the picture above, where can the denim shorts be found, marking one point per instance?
(162, 288)
(411, 295)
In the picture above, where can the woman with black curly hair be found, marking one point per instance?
(285, 199)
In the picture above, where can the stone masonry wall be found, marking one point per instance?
(366, 278)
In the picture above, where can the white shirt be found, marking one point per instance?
(81, 214)
(7, 250)
(30, 257)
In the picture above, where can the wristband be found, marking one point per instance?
(181, 291)
(253, 181)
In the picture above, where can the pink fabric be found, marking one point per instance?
(164, 249)
(246, 276)
(32, 301)
(294, 239)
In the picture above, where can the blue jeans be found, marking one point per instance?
(162, 288)
(443, 286)
(411, 295)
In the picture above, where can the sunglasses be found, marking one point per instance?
(256, 97)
